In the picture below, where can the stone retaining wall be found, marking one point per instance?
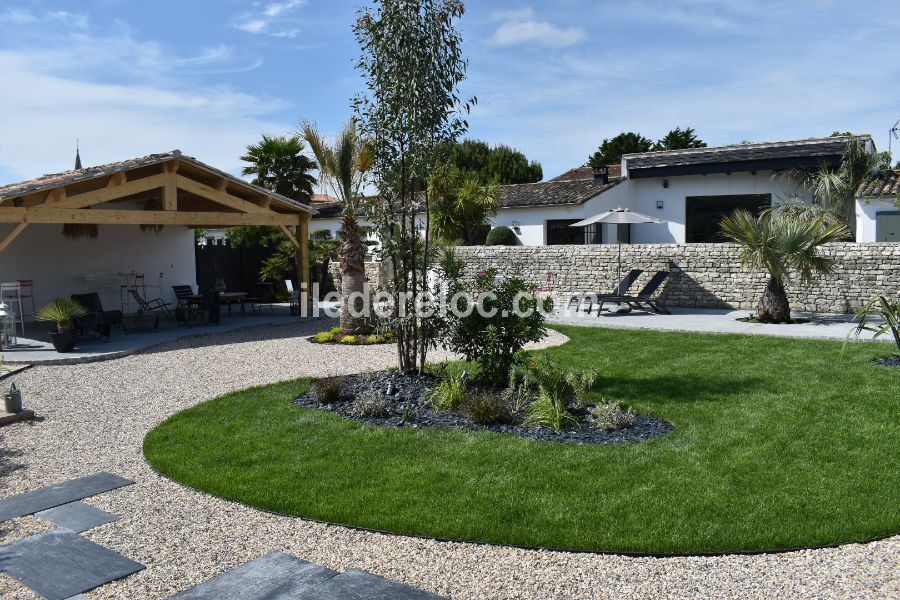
(703, 275)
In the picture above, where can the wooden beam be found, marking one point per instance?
(12, 235)
(45, 214)
(170, 192)
(117, 179)
(290, 236)
(222, 184)
(106, 194)
(219, 197)
(303, 254)
(56, 196)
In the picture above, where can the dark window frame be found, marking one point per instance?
(701, 222)
(558, 232)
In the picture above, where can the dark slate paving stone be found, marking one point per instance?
(77, 516)
(59, 564)
(274, 576)
(60, 493)
(360, 585)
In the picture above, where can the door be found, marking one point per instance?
(887, 226)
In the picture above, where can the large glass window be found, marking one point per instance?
(704, 213)
(559, 231)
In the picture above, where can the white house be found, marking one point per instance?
(689, 189)
(878, 209)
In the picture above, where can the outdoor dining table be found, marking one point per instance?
(227, 298)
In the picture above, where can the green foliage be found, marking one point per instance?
(62, 311)
(498, 164)
(335, 331)
(611, 416)
(462, 206)
(510, 318)
(412, 64)
(349, 339)
(487, 408)
(518, 392)
(679, 139)
(555, 391)
(501, 236)
(278, 164)
(370, 405)
(253, 235)
(450, 393)
(324, 337)
(328, 390)
(611, 150)
(888, 314)
(583, 383)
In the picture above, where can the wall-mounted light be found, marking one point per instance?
(517, 227)
(659, 205)
(666, 183)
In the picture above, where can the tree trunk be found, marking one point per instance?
(773, 306)
(353, 275)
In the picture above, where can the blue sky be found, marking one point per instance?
(553, 78)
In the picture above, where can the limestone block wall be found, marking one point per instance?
(702, 275)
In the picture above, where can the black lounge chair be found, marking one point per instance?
(620, 290)
(644, 297)
(97, 320)
(145, 305)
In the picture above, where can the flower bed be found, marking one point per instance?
(335, 336)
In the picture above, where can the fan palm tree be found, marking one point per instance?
(782, 245)
(343, 166)
(462, 206)
(278, 164)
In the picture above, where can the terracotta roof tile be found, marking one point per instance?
(888, 184)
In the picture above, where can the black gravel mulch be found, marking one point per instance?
(407, 406)
(891, 361)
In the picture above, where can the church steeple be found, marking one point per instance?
(77, 157)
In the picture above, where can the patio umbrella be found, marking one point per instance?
(618, 216)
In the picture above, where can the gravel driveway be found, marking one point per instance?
(96, 416)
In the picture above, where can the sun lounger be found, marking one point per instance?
(643, 298)
(620, 290)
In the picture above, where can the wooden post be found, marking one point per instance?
(303, 258)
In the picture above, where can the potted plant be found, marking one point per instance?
(63, 311)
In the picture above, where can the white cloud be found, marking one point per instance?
(17, 16)
(270, 18)
(151, 105)
(77, 20)
(525, 27)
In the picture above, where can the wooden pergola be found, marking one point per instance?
(159, 189)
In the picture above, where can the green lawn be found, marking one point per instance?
(778, 443)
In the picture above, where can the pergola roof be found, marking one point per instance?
(159, 189)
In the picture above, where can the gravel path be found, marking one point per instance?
(96, 416)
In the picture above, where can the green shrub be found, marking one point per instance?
(450, 393)
(349, 339)
(582, 383)
(336, 331)
(369, 404)
(501, 236)
(323, 337)
(328, 390)
(550, 409)
(491, 339)
(486, 408)
(518, 392)
(373, 339)
(611, 416)
(886, 322)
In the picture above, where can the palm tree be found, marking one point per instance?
(278, 164)
(834, 188)
(782, 244)
(462, 206)
(343, 167)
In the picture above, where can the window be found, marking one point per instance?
(560, 232)
(887, 226)
(703, 214)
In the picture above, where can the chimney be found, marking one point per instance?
(601, 176)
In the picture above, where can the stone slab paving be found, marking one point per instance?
(59, 564)
(77, 516)
(275, 576)
(280, 576)
(51, 496)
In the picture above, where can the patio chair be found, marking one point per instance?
(643, 298)
(620, 290)
(295, 296)
(145, 305)
(187, 309)
(263, 293)
(97, 320)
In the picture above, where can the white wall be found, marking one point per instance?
(61, 267)
(866, 212)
